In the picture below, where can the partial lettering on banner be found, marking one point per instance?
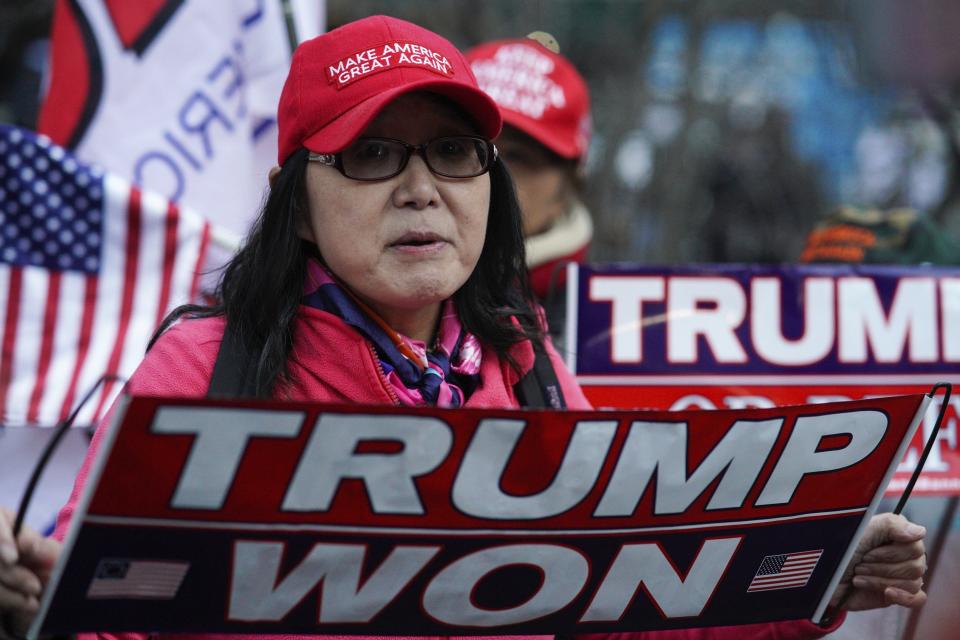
(732, 336)
(723, 319)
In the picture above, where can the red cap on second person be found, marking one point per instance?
(339, 81)
(538, 91)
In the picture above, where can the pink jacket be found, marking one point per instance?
(333, 363)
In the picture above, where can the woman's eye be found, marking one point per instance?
(372, 151)
(368, 152)
(452, 148)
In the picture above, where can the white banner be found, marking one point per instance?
(178, 96)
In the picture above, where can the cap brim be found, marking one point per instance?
(543, 134)
(345, 128)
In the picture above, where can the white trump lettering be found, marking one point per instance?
(476, 490)
(800, 456)
(950, 303)
(330, 457)
(660, 448)
(222, 436)
(626, 296)
(688, 319)
(863, 321)
(766, 319)
(718, 318)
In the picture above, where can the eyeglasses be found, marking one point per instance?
(382, 158)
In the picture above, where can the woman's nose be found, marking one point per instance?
(417, 187)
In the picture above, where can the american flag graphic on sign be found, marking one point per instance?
(137, 579)
(785, 571)
(88, 267)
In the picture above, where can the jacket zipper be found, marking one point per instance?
(383, 375)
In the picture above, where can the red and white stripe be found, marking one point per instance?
(62, 331)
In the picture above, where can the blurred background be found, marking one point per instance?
(723, 129)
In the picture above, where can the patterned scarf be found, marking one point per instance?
(443, 376)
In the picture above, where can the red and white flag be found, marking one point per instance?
(785, 571)
(88, 268)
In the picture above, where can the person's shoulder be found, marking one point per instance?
(191, 334)
(179, 363)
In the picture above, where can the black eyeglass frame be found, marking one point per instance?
(335, 160)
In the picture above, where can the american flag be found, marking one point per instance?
(88, 267)
(785, 571)
(137, 579)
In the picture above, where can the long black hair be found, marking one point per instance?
(262, 285)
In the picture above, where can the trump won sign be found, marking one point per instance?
(265, 517)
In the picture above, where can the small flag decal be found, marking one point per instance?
(785, 571)
(137, 579)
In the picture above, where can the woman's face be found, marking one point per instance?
(404, 244)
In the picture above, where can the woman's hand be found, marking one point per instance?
(25, 566)
(887, 567)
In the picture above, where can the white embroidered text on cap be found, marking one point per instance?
(383, 57)
(517, 78)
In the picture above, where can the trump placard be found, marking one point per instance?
(265, 517)
(738, 336)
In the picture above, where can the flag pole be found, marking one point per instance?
(931, 440)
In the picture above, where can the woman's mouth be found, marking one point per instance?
(419, 242)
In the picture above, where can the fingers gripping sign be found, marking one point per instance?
(25, 565)
(887, 567)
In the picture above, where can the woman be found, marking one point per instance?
(390, 226)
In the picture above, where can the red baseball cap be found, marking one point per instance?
(538, 91)
(339, 81)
